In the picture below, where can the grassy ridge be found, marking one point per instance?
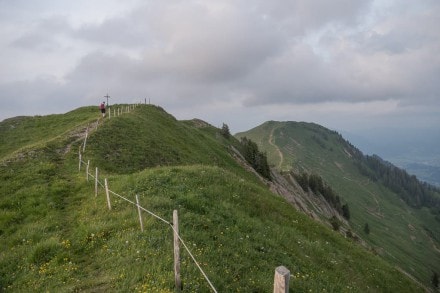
(404, 236)
(21, 132)
(151, 137)
(57, 236)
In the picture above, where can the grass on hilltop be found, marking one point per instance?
(57, 236)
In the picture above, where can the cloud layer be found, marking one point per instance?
(214, 59)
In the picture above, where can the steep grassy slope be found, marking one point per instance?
(57, 236)
(406, 237)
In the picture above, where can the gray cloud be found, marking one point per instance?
(211, 54)
(120, 31)
(43, 36)
(190, 42)
(40, 96)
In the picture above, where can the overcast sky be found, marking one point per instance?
(348, 65)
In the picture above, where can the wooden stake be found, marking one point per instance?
(176, 252)
(109, 113)
(85, 139)
(84, 145)
(140, 213)
(108, 195)
(79, 166)
(281, 280)
(87, 170)
(96, 181)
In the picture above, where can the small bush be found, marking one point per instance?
(225, 131)
(434, 280)
(336, 224)
(366, 228)
(255, 158)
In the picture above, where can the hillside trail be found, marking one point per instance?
(80, 133)
(277, 149)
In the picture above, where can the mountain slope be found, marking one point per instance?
(55, 235)
(406, 237)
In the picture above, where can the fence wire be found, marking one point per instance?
(150, 213)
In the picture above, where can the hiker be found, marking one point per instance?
(102, 107)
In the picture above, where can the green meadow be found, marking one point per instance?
(57, 236)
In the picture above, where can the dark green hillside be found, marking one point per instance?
(56, 236)
(409, 188)
(405, 236)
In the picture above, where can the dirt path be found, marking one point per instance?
(80, 133)
(277, 148)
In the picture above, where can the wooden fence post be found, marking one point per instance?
(176, 252)
(96, 181)
(281, 280)
(109, 113)
(80, 159)
(87, 170)
(140, 213)
(107, 194)
(85, 139)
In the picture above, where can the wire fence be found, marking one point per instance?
(105, 185)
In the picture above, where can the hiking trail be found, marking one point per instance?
(280, 154)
